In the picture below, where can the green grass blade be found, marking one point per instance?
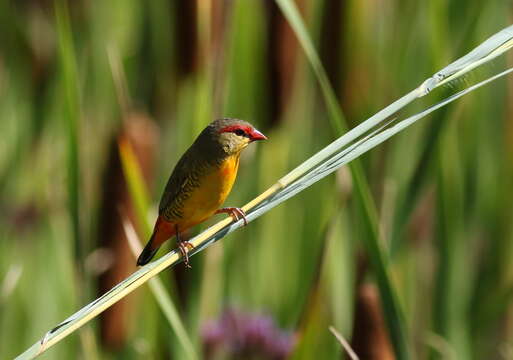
(135, 184)
(292, 15)
(391, 307)
(71, 118)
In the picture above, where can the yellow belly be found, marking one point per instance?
(211, 194)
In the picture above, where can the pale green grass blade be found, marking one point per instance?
(268, 200)
(162, 297)
(345, 344)
(138, 193)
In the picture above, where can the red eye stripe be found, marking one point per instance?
(232, 128)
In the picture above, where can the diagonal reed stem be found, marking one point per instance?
(355, 142)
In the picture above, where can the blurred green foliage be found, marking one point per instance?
(73, 74)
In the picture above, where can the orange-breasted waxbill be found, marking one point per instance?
(200, 182)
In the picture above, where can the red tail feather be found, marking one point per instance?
(163, 230)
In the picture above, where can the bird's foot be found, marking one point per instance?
(235, 212)
(184, 247)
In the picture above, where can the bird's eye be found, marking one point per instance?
(239, 132)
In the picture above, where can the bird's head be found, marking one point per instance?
(233, 134)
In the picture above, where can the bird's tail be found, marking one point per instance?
(148, 252)
(163, 230)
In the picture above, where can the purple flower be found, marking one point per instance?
(237, 334)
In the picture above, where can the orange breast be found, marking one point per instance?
(211, 194)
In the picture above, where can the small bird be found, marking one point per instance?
(200, 182)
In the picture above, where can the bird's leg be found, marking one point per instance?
(184, 247)
(235, 212)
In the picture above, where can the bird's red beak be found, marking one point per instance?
(256, 135)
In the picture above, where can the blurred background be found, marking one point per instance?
(78, 76)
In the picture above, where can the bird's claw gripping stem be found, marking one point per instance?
(185, 247)
(235, 212)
